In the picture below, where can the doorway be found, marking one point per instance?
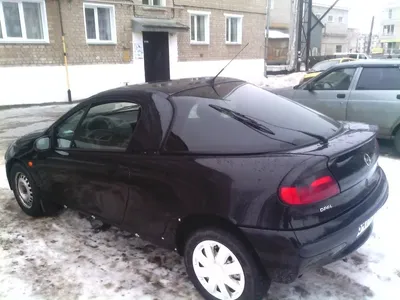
(156, 56)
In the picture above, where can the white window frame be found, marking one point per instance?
(333, 19)
(207, 26)
(97, 40)
(240, 29)
(340, 20)
(24, 38)
(151, 3)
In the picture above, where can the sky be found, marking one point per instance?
(361, 12)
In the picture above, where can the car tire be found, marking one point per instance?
(246, 280)
(397, 141)
(25, 191)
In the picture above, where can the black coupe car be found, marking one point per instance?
(248, 186)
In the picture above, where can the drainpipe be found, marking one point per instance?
(64, 53)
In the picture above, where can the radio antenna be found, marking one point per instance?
(212, 81)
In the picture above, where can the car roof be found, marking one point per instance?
(371, 63)
(168, 88)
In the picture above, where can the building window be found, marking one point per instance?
(330, 18)
(233, 30)
(199, 27)
(388, 30)
(23, 21)
(338, 48)
(154, 2)
(100, 23)
(340, 19)
(390, 13)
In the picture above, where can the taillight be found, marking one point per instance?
(319, 189)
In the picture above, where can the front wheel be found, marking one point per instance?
(222, 267)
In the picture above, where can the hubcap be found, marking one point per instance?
(218, 270)
(24, 190)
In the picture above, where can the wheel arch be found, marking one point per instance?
(194, 222)
(396, 129)
(9, 166)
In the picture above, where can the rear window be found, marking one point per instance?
(247, 120)
(379, 79)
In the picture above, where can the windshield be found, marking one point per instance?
(324, 65)
(248, 119)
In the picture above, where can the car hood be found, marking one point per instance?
(29, 138)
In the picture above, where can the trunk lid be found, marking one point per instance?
(351, 157)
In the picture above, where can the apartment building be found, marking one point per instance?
(110, 43)
(390, 28)
(334, 34)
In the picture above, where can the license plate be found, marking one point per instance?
(364, 226)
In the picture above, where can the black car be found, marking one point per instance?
(248, 186)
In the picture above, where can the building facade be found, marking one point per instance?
(110, 43)
(334, 35)
(363, 40)
(390, 28)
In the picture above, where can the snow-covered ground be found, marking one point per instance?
(63, 258)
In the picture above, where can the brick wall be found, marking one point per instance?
(37, 54)
(79, 52)
(253, 31)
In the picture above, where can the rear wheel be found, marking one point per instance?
(222, 267)
(397, 141)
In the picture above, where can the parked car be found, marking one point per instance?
(351, 55)
(365, 91)
(248, 186)
(323, 66)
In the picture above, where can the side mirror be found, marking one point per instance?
(42, 144)
(309, 86)
(296, 86)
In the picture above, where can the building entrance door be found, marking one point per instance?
(156, 56)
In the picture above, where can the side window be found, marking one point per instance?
(336, 80)
(353, 56)
(379, 79)
(107, 126)
(64, 132)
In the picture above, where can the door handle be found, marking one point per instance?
(341, 96)
(398, 96)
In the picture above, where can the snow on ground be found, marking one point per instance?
(63, 258)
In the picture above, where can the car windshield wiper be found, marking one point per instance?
(321, 138)
(243, 119)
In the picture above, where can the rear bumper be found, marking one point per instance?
(286, 255)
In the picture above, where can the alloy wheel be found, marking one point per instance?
(218, 270)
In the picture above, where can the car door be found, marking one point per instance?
(376, 98)
(88, 164)
(328, 93)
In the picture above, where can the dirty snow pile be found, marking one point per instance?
(63, 258)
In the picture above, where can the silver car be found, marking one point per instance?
(365, 91)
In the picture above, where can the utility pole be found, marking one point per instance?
(299, 34)
(266, 33)
(308, 42)
(370, 36)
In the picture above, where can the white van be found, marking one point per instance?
(351, 55)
